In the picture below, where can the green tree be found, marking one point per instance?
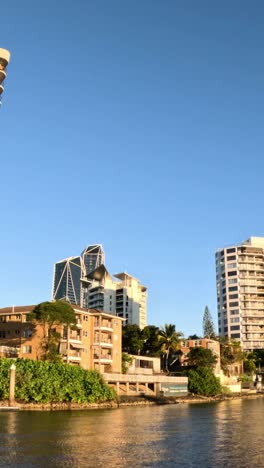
(208, 325)
(50, 315)
(193, 337)
(230, 353)
(151, 342)
(249, 366)
(201, 357)
(202, 381)
(170, 342)
(126, 361)
(132, 339)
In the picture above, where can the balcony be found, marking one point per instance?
(74, 356)
(104, 359)
(104, 343)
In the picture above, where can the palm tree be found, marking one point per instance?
(169, 340)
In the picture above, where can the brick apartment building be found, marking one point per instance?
(95, 342)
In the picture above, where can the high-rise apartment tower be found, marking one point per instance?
(240, 292)
(4, 60)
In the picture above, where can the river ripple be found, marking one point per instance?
(223, 434)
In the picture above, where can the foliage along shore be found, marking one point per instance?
(46, 382)
(127, 402)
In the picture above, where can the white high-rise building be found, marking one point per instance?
(4, 60)
(240, 292)
(126, 297)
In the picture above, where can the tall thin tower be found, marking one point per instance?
(4, 60)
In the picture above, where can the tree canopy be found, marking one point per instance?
(170, 341)
(132, 339)
(202, 357)
(50, 315)
(208, 324)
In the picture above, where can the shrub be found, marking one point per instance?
(202, 381)
(43, 381)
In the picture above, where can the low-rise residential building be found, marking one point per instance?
(94, 343)
(205, 343)
(144, 365)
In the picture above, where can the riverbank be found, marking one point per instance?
(127, 401)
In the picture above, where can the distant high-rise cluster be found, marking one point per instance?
(85, 281)
(4, 60)
(240, 292)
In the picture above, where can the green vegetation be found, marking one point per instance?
(50, 315)
(170, 342)
(208, 324)
(201, 357)
(152, 341)
(44, 382)
(231, 353)
(202, 381)
(126, 361)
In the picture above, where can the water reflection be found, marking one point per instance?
(219, 435)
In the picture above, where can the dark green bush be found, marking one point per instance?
(43, 381)
(202, 381)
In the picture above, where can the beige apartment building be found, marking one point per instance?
(240, 292)
(4, 60)
(95, 343)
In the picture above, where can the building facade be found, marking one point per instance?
(69, 277)
(67, 280)
(240, 292)
(206, 343)
(95, 342)
(85, 281)
(124, 296)
(4, 60)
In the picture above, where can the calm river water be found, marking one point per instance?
(223, 434)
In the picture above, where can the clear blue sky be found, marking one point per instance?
(138, 125)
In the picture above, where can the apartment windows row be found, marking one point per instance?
(16, 333)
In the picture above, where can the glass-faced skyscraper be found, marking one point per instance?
(67, 280)
(93, 256)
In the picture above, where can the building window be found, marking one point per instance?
(85, 333)
(233, 296)
(232, 273)
(235, 335)
(17, 332)
(27, 333)
(231, 265)
(235, 327)
(233, 304)
(232, 250)
(234, 320)
(231, 257)
(234, 312)
(233, 288)
(2, 334)
(232, 281)
(27, 349)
